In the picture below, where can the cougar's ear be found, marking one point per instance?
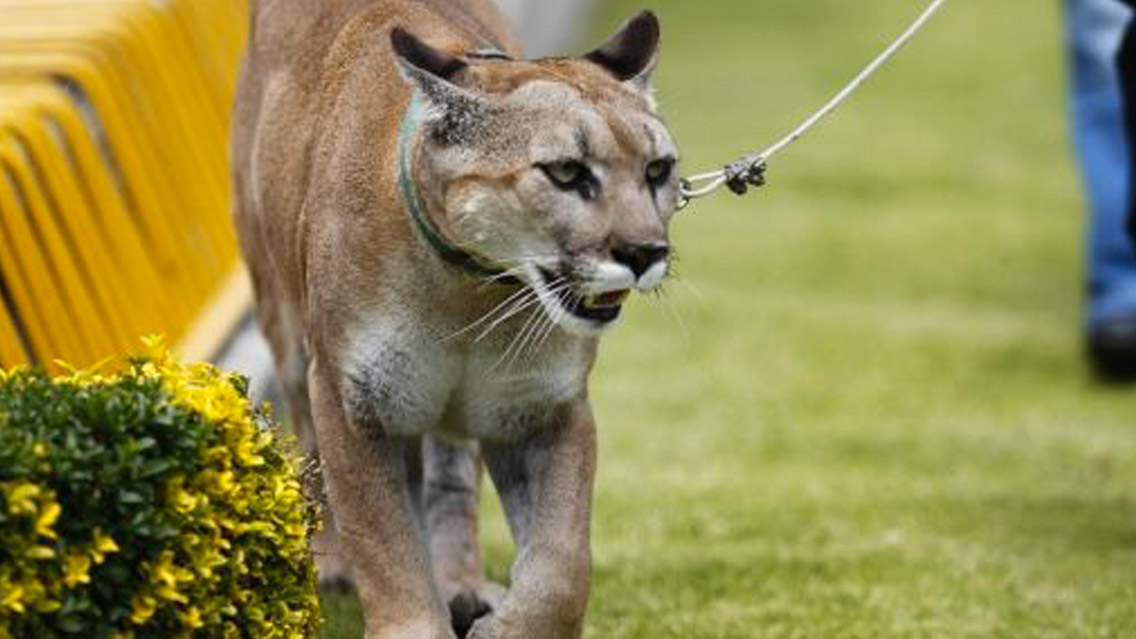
(437, 75)
(431, 70)
(630, 54)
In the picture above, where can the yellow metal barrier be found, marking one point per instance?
(114, 197)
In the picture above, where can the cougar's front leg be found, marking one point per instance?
(451, 487)
(545, 483)
(365, 476)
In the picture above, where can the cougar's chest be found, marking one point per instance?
(403, 379)
(502, 398)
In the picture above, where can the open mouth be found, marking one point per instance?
(599, 308)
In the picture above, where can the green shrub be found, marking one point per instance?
(151, 503)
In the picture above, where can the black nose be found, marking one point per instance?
(640, 257)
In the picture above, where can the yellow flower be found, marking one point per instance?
(76, 570)
(171, 593)
(219, 483)
(217, 454)
(13, 597)
(47, 519)
(192, 618)
(87, 376)
(142, 607)
(103, 546)
(246, 454)
(183, 501)
(164, 571)
(166, 575)
(22, 498)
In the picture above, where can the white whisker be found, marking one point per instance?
(518, 338)
(672, 311)
(530, 330)
(553, 321)
(566, 306)
(481, 320)
(691, 287)
(520, 306)
(534, 327)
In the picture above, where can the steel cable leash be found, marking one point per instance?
(750, 170)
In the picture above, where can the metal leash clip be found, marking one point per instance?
(745, 173)
(738, 176)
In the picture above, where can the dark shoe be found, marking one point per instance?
(1112, 349)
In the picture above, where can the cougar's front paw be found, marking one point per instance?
(470, 604)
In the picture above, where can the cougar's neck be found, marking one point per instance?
(428, 223)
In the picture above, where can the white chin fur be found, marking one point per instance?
(582, 327)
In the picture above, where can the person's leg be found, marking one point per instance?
(1127, 70)
(1095, 31)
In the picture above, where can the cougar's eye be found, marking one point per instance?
(571, 175)
(659, 172)
(565, 173)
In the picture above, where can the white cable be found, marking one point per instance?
(719, 178)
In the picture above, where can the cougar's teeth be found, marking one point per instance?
(604, 300)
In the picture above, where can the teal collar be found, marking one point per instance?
(447, 251)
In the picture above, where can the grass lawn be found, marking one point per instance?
(861, 411)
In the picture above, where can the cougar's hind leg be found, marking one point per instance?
(333, 569)
(451, 488)
(292, 376)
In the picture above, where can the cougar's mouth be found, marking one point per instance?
(598, 308)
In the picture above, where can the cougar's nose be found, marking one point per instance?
(640, 257)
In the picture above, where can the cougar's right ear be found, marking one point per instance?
(431, 70)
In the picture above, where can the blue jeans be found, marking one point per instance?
(1095, 28)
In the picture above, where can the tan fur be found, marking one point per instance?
(365, 320)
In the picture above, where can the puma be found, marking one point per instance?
(438, 231)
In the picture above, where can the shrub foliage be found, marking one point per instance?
(151, 503)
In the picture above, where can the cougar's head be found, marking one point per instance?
(558, 170)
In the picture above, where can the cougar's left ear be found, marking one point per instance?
(631, 53)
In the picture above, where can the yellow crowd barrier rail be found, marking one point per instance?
(114, 196)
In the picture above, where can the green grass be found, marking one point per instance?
(862, 412)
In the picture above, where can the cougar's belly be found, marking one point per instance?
(405, 381)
